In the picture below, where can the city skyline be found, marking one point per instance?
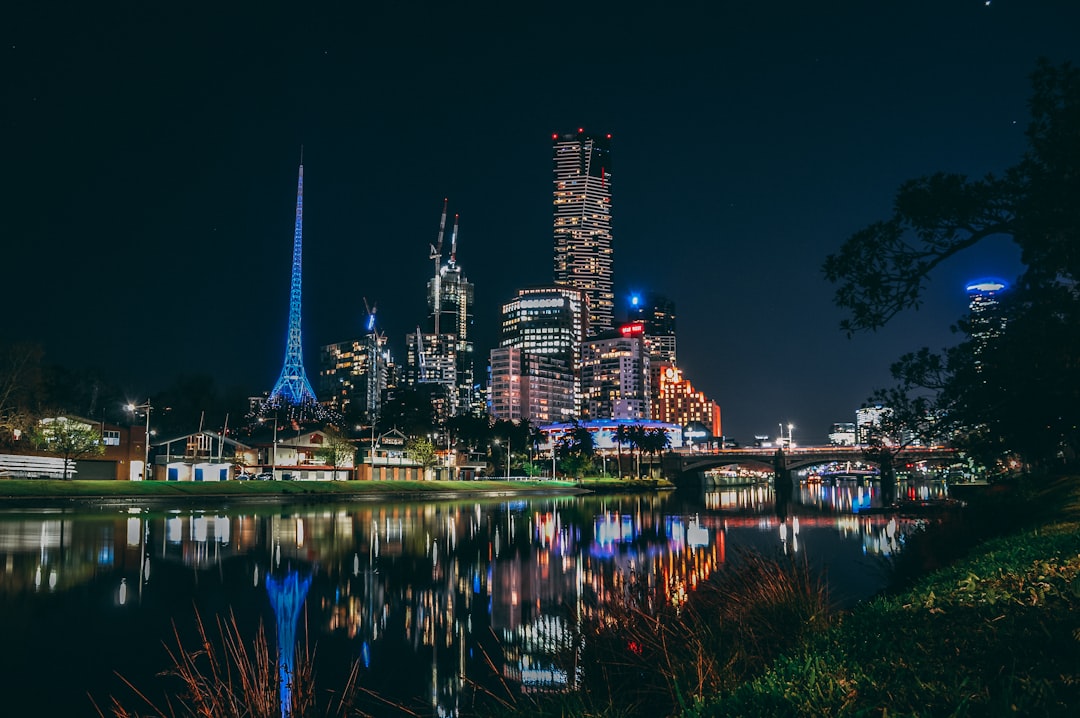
(154, 157)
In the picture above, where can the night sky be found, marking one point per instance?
(151, 152)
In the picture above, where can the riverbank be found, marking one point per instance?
(995, 633)
(50, 492)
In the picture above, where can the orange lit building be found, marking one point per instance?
(675, 401)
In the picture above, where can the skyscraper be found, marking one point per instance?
(615, 377)
(657, 315)
(293, 388)
(550, 322)
(986, 320)
(444, 356)
(582, 222)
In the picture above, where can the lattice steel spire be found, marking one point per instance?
(293, 387)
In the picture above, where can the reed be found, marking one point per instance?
(225, 677)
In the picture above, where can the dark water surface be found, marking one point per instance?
(427, 596)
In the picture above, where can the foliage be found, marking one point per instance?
(1013, 391)
(422, 451)
(225, 677)
(20, 384)
(639, 655)
(67, 438)
(337, 450)
(1009, 611)
(576, 450)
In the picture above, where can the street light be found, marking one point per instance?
(273, 450)
(498, 442)
(790, 439)
(146, 443)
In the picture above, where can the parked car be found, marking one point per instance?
(245, 477)
(265, 476)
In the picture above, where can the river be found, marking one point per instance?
(428, 597)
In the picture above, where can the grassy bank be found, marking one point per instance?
(18, 490)
(996, 633)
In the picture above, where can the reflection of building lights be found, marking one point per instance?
(123, 591)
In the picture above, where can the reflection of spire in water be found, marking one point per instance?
(287, 596)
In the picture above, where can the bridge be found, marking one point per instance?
(681, 462)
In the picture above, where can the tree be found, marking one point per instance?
(20, 383)
(1019, 391)
(654, 441)
(69, 439)
(336, 450)
(422, 451)
(576, 450)
(622, 436)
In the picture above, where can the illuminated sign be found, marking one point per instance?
(634, 329)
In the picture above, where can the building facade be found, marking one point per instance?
(675, 401)
(353, 375)
(584, 251)
(656, 314)
(615, 378)
(536, 387)
(547, 322)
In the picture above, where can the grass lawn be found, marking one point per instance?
(75, 489)
(996, 633)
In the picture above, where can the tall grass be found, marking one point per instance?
(632, 659)
(225, 677)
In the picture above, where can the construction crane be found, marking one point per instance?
(420, 362)
(435, 254)
(453, 242)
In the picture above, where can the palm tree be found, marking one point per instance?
(622, 436)
(655, 441)
(637, 442)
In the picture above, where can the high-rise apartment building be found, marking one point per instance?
(353, 375)
(537, 387)
(450, 301)
(582, 222)
(615, 377)
(545, 322)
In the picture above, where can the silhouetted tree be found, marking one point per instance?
(1017, 391)
(20, 388)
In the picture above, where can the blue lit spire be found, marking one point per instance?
(287, 596)
(293, 387)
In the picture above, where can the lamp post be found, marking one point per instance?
(146, 442)
(273, 450)
(790, 439)
(507, 457)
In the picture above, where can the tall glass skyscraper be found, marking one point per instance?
(582, 222)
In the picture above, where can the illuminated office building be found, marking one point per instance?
(547, 322)
(582, 222)
(615, 377)
(657, 316)
(987, 321)
(675, 401)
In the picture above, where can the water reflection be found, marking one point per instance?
(430, 598)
